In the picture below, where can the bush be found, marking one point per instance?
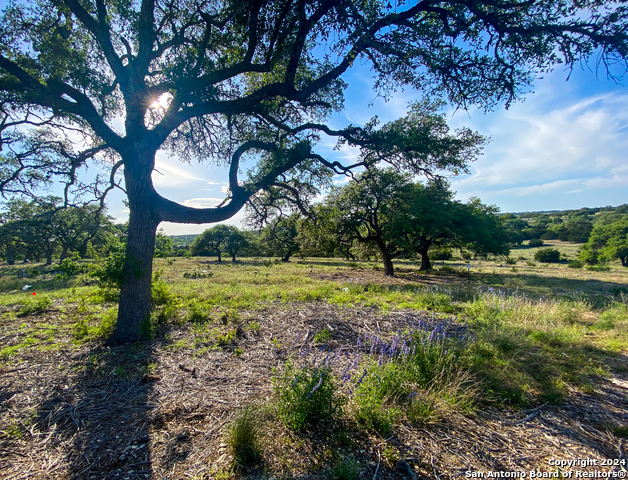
(243, 437)
(409, 370)
(536, 242)
(306, 395)
(346, 469)
(441, 254)
(510, 261)
(323, 336)
(575, 264)
(599, 268)
(72, 266)
(547, 255)
(197, 312)
(39, 305)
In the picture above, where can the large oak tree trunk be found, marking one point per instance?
(389, 269)
(135, 291)
(48, 257)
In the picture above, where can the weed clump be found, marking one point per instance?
(346, 469)
(414, 370)
(244, 438)
(307, 395)
(38, 305)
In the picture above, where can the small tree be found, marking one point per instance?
(164, 246)
(607, 241)
(236, 241)
(280, 236)
(212, 240)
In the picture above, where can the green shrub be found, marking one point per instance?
(197, 312)
(323, 336)
(346, 469)
(36, 305)
(536, 242)
(510, 261)
(306, 396)
(109, 272)
(441, 254)
(72, 266)
(599, 268)
(547, 255)
(243, 437)
(575, 264)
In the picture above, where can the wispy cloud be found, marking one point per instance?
(172, 173)
(537, 152)
(202, 202)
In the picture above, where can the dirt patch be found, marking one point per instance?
(158, 410)
(403, 276)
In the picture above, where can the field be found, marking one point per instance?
(500, 367)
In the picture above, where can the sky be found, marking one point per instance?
(564, 147)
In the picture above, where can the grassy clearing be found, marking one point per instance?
(500, 337)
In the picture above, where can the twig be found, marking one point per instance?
(405, 466)
(379, 458)
(534, 413)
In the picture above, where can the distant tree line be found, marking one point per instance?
(379, 214)
(573, 226)
(43, 229)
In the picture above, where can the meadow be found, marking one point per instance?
(316, 368)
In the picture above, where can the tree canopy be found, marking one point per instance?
(607, 241)
(385, 208)
(227, 81)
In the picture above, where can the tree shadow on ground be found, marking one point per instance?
(100, 417)
(538, 285)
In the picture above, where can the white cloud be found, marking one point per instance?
(172, 173)
(186, 229)
(536, 152)
(202, 202)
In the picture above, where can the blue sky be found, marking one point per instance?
(564, 147)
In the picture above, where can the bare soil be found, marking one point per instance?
(158, 410)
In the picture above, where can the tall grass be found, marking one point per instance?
(244, 438)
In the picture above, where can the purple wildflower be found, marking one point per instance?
(320, 382)
(361, 378)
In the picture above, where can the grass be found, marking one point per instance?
(243, 436)
(306, 395)
(515, 338)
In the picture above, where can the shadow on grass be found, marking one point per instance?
(520, 366)
(538, 285)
